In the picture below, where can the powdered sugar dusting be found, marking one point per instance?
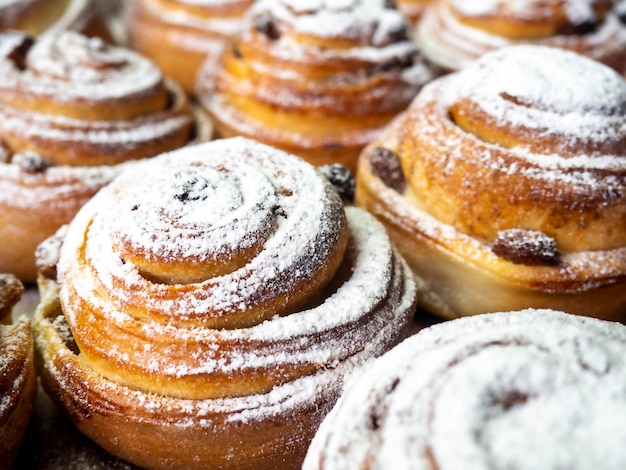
(524, 86)
(238, 178)
(539, 388)
(577, 11)
(448, 41)
(97, 71)
(380, 31)
(14, 340)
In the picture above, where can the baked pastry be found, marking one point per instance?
(17, 372)
(71, 109)
(454, 33)
(504, 185)
(524, 390)
(317, 79)
(214, 298)
(178, 35)
(36, 17)
(413, 9)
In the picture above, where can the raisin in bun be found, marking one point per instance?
(317, 79)
(72, 110)
(215, 297)
(504, 185)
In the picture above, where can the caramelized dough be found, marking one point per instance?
(72, 110)
(539, 388)
(456, 32)
(528, 212)
(179, 35)
(36, 17)
(17, 372)
(317, 80)
(217, 296)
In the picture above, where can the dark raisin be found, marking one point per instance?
(265, 24)
(528, 247)
(15, 46)
(279, 211)
(341, 178)
(192, 190)
(30, 162)
(386, 165)
(390, 4)
(579, 29)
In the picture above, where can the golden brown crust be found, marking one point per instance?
(237, 363)
(528, 225)
(72, 110)
(17, 372)
(454, 33)
(178, 36)
(36, 17)
(317, 82)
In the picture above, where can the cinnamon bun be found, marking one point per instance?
(504, 185)
(454, 33)
(178, 35)
(73, 109)
(17, 372)
(524, 390)
(214, 298)
(318, 80)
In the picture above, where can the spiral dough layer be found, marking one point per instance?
(221, 278)
(18, 381)
(528, 389)
(71, 109)
(454, 33)
(318, 79)
(509, 177)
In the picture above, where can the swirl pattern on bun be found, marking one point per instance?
(509, 178)
(230, 294)
(318, 80)
(454, 33)
(71, 110)
(524, 390)
(178, 35)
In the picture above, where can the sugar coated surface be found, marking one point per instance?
(528, 389)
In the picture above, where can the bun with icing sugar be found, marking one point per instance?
(17, 371)
(317, 79)
(178, 35)
(504, 185)
(454, 33)
(214, 298)
(524, 390)
(72, 110)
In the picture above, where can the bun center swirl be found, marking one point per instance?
(215, 219)
(233, 237)
(553, 104)
(533, 19)
(77, 77)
